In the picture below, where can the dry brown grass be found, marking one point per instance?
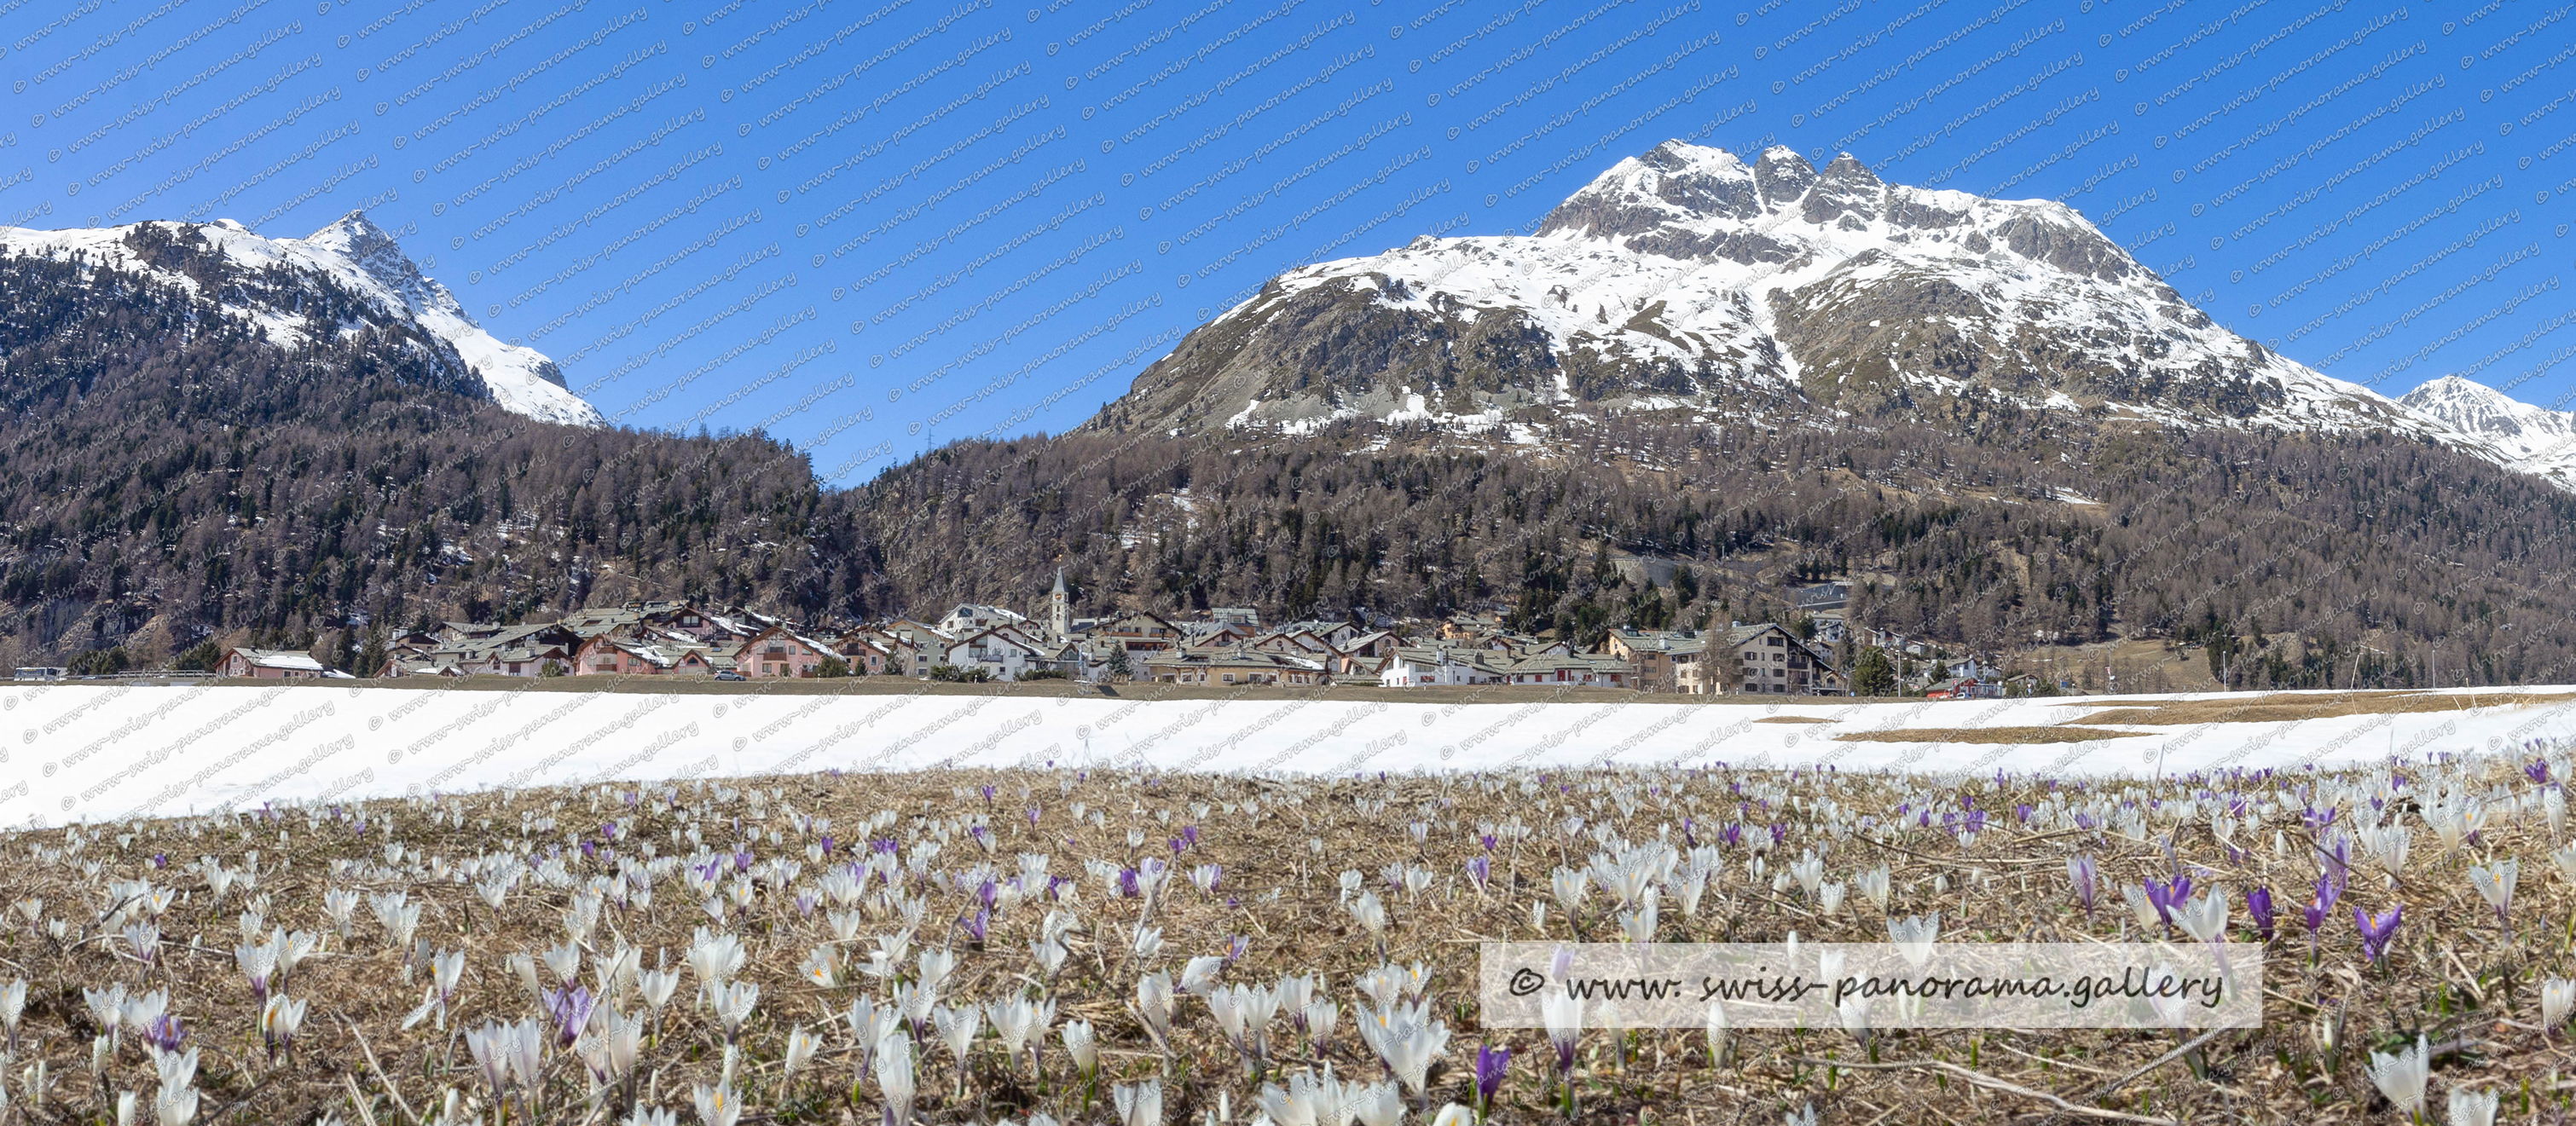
(1793, 719)
(2453, 974)
(1984, 735)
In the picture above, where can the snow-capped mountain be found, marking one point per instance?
(271, 283)
(1688, 281)
(2516, 435)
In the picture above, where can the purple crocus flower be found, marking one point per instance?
(2167, 896)
(1489, 842)
(1238, 946)
(1190, 835)
(2314, 914)
(988, 796)
(165, 1032)
(977, 924)
(570, 1009)
(2258, 903)
(742, 860)
(1033, 816)
(589, 850)
(2538, 772)
(2336, 863)
(1491, 1064)
(1127, 883)
(2088, 881)
(2376, 930)
(1480, 870)
(827, 844)
(1733, 835)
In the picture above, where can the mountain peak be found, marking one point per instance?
(353, 253)
(1686, 281)
(2530, 438)
(1782, 174)
(351, 230)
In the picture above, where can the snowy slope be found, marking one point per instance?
(358, 256)
(2516, 435)
(81, 752)
(1691, 281)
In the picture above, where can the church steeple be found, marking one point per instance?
(1060, 609)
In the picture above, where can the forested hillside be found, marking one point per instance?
(2283, 552)
(169, 474)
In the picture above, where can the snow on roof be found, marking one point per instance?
(281, 659)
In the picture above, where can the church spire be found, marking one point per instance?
(1060, 610)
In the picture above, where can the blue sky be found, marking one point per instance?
(872, 225)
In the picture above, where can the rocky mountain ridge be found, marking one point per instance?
(1692, 285)
(280, 285)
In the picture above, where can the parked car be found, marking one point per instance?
(728, 674)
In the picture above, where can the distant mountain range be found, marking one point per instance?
(352, 265)
(1726, 375)
(1690, 285)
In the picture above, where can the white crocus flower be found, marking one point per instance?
(895, 1078)
(1915, 937)
(1139, 1104)
(2205, 918)
(2402, 1077)
(2557, 999)
(2472, 1108)
(2495, 882)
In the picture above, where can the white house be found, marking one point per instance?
(1421, 667)
(1000, 652)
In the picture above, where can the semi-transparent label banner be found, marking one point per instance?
(1861, 986)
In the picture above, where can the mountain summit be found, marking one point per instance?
(279, 285)
(1691, 284)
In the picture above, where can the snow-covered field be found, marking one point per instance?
(90, 753)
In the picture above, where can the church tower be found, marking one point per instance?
(1060, 609)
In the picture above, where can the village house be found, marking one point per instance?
(1244, 616)
(1297, 643)
(778, 651)
(1374, 643)
(1462, 627)
(1564, 669)
(1141, 632)
(972, 617)
(1417, 667)
(270, 664)
(1763, 658)
(1003, 654)
(866, 655)
(912, 648)
(606, 654)
(1233, 665)
(1655, 654)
